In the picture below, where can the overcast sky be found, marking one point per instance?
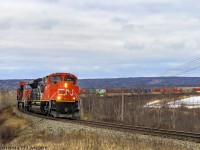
(97, 39)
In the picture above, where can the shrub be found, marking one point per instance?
(7, 133)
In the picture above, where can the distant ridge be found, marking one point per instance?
(140, 82)
(135, 82)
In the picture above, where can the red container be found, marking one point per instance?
(156, 90)
(197, 89)
(83, 91)
(165, 90)
(177, 90)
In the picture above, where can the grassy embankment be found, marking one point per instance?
(15, 131)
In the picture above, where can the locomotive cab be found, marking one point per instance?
(61, 88)
(61, 91)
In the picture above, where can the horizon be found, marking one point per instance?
(109, 78)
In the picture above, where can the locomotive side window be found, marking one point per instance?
(45, 80)
(28, 87)
(55, 79)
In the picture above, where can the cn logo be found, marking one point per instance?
(64, 92)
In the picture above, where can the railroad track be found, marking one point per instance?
(187, 136)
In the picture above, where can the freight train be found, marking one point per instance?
(137, 91)
(54, 95)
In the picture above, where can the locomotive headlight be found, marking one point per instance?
(58, 98)
(65, 85)
(74, 98)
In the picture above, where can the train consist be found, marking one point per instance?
(125, 91)
(54, 95)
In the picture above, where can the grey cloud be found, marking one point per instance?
(5, 23)
(171, 44)
(98, 38)
(47, 24)
(136, 7)
(133, 46)
(49, 1)
(157, 7)
(131, 26)
(119, 20)
(176, 46)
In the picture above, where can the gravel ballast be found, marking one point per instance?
(57, 127)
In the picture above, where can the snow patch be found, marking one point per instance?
(153, 104)
(190, 103)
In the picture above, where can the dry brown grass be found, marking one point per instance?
(10, 125)
(7, 133)
(7, 99)
(86, 141)
(12, 135)
(110, 109)
(30, 136)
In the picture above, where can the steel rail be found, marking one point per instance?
(174, 134)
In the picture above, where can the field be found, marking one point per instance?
(131, 110)
(34, 133)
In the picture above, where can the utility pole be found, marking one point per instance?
(80, 107)
(122, 109)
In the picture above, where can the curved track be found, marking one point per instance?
(187, 136)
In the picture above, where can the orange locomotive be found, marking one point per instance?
(54, 95)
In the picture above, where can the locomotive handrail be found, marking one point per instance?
(52, 96)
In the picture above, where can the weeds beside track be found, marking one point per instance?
(187, 136)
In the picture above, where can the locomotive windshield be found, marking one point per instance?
(55, 79)
(69, 79)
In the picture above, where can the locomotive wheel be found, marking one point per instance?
(18, 105)
(76, 114)
(49, 107)
(57, 113)
(49, 114)
(28, 108)
(43, 108)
